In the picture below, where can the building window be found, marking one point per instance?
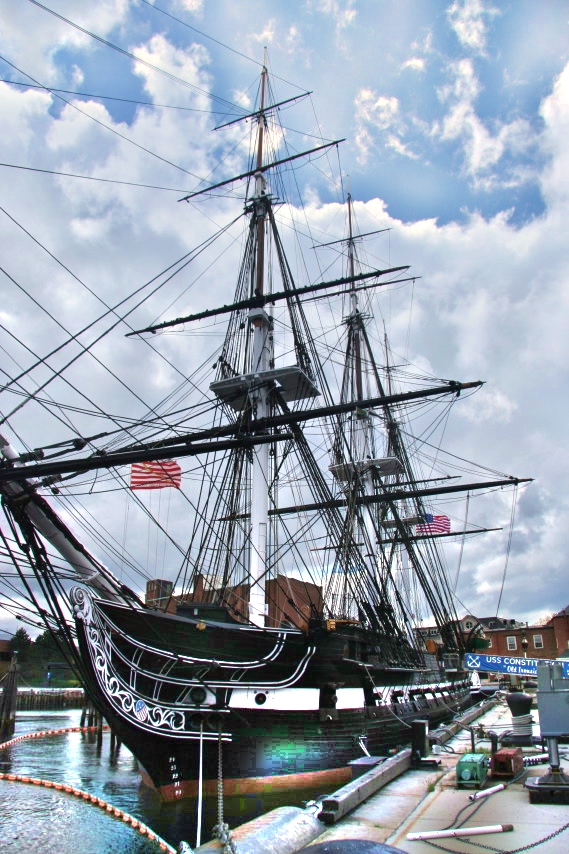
(538, 641)
(512, 643)
(489, 643)
(469, 624)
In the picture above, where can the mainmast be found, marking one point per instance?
(355, 322)
(355, 316)
(261, 359)
(355, 465)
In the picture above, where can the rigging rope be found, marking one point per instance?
(511, 533)
(462, 543)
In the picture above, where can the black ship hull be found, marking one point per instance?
(281, 725)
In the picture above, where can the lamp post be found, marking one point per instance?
(525, 645)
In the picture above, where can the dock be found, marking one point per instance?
(427, 800)
(423, 799)
(51, 699)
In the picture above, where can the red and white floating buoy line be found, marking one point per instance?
(113, 811)
(99, 802)
(45, 732)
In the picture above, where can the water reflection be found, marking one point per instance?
(37, 820)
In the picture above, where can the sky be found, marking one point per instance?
(455, 118)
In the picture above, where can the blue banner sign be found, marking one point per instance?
(510, 665)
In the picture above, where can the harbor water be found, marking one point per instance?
(35, 819)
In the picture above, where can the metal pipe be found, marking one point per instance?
(553, 748)
(475, 796)
(460, 831)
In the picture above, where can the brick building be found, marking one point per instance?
(289, 601)
(511, 637)
(549, 640)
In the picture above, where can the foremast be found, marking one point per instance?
(249, 384)
(261, 360)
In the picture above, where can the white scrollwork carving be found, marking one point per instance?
(139, 711)
(82, 604)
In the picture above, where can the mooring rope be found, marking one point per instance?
(113, 811)
(200, 791)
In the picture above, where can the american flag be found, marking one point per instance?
(433, 525)
(141, 710)
(156, 475)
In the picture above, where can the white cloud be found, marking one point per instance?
(492, 405)
(378, 116)
(193, 6)
(267, 35)
(77, 76)
(483, 148)
(188, 65)
(343, 14)
(466, 18)
(76, 126)
(464, 86)
(293, 39)
(555, 112)
(415, 64)
(36, 56)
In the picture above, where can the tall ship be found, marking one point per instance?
(289, 641)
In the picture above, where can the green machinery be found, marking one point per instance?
(472, 770)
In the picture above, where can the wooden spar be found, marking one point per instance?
(260, 300)
(347, 239)
(411, 538)
(394, 495)
(183, 446)
(105, 461)
(252, 172)
(400, 495)
(257, 113)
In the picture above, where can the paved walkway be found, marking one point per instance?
(429, 800)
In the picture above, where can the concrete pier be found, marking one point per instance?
(427, 798)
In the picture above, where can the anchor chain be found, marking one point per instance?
(221, 829)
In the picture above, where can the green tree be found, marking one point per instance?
(45, 645)
(21, 643)
(45, 658)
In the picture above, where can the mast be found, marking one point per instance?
(354, 447)
(262, 354)
(366, 474)
(363, 439)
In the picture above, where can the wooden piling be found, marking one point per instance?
(8, 701)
